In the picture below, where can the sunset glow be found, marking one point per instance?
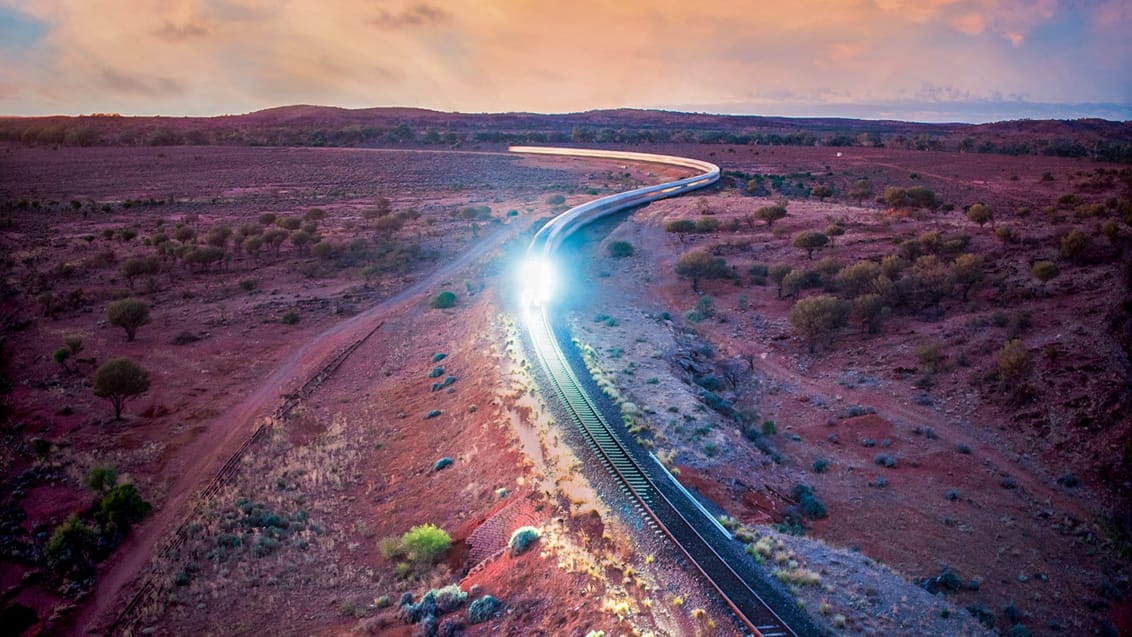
(966, 60)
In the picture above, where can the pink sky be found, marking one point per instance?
(932, 59)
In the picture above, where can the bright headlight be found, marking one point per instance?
(538, 279)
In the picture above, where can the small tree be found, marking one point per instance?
(967, 269)
(620, 249)
(861, 191)
(425, 543)
(777, 273)
(128, 314)
(698, 264)
(770, 214)
(809, 241)
(818, 316)
(857, 278)
(1045, 271)
(118, 380)
(980, 214)
(133, 267)
(869, 310)
(834, 230)
(821, 191)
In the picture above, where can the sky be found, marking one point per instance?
(925, 60)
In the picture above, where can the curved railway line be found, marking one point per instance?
(661, 511)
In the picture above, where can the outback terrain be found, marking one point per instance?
(918, 422)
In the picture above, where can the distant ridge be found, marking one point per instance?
(313, 125)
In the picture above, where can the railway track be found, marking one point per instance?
(658, 511)
(673, 519)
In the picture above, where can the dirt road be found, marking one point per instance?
(117, 577)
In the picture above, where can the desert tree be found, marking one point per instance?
(289, 223)
(184, 234)
(134, 267)
(870, 311)
(818, 316)
(314, 214)
(266, 219)
(810, 240)
(930, 282)
(777, 273)
(834, 230)
(980, 214)
(118, 380)
(770, 214)
(699, 264)
(128, 314)
(218, 236)
(300, 239)
(861, 191)
(967, 270)
(856, 279)
(821, 191)
(253, 245)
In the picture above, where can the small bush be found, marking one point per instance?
(482, 609)
(290, 318)
(556, 200)
(439, 356)
(821, 465)
(436, 372)
(442, 463)
(443, 300)
(768, 428)
(185, 338)
(522, 539)
(433, 414)
(885, 460)
(426, 542)
(620, 249)
(809, 503)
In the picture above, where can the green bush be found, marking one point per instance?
(808, 502)
(70, 546)
(522, 539)
(290, 318)
(119, 508)
(443, 300)
(425, 543)
(482, 609)
(620, 249)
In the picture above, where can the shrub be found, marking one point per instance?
(436, 372)
(885, 460)
(1014, 362)
(119, 508)
(290, 318)
(433, 414)
(442, 463)
(556, 200)
(128, 314)
(438, 356)
(118, 380)
(818, 316)
(1074, 245)
(425, 543)
(808, 502)
(70, 546)
(707, 225)
(980, 214)
(1045, 271)
(522, 539)
(443, 300)
(482, 609)
(134, 267)
(101, 479)
(620, 249)
(184, 338)
(680, 226)
(821, 465)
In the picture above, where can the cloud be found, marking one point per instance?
(417, 15)
(124, 83)
(180, 32)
